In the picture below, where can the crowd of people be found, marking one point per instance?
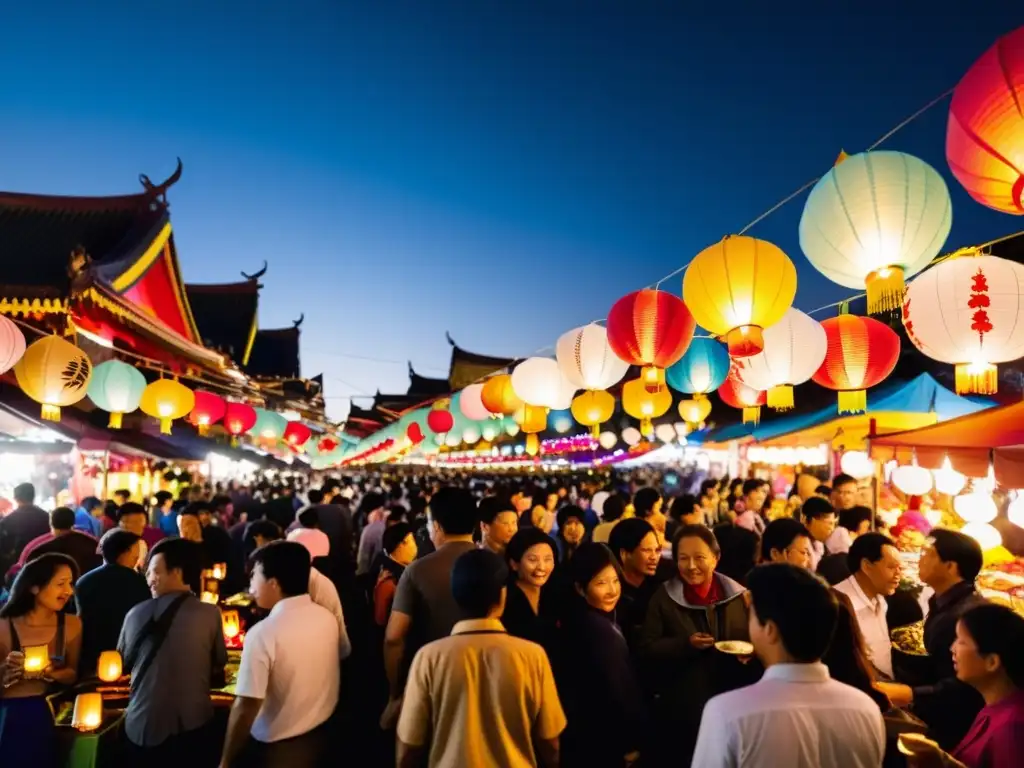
(510, 621)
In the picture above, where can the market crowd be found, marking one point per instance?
(509, 621)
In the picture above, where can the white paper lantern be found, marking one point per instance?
(562, 424)
(912, 480)
(1015, 513)
(539, 381)
(453, 440)
(586, 360)
(471, 435)
(608, 440)
(857, 464)
(947, 480)
(969, 311)
(631, 436)
(983, 533)
(512, 429)
(682, 429)
(976, 507)
(665, 432)
(490, 430)
(471, 405)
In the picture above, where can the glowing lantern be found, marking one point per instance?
(586, 359)
(976, 507)
(414, 433)
(512, 429)
(874, 219)
(489, 431)
(167, 400)
(608, 440)
(1015, 512)
(794, 349)
(631, 436)
(116, 387)
(37, 659)
(440, 421)
(561, 421)
(736, 394)
(912, 480)
(738, 287)
(498, 397)
(539, 381)
(327, 443)
(54, 373)
(12, 344)
(665, 432)
(701, 370)
(269, 425)
(985, 133)
(239, 418)
(296, 434)
(471, 435)
(651, 329)
(208, 410)
(88, 712)
(532, 419)
(693, 412)
(969, 311)
(988, 536)
(231, 624)
(471, 403)
(947, 480)
(640, 403)
(592, 409)
(857, 464)
(861, 353)
(108, 668)
(682, 430)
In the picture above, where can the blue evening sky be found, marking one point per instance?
(502, 169)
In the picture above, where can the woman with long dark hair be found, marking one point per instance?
(34, 616)
(531, 557)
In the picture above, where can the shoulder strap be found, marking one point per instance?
(155, 630)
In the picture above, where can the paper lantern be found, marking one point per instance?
(682, 430)
(608, 440)
(88, 712)
(231, 624)
(969, 311)
(1015, 512)
(296, 434)
(912, 480)
(167, 400)
(54, 373)
(738, 287)
(498, 396)
(631, 436)
(985, 133)
(117, 388)
(640, 403)
(561, 421)
(414, 433)
(592, 409)
(693, 412)
(976, 507)
(490, 430)
(857, 464)
(471, 404)
(862, 352)
(532, 419)
(586, 359)
(874, 219)
(208, 410)
(471, 435)
(108, 667)
(12, 344)
(512, 429)
(988, 536)
(794, 349)
(539, 381)
(440, 421)
(736, 394)
(651, 329)
(37, 659)
(947, 480)
(665, 432)
(269, 425)
(239, 418)
(701, 369)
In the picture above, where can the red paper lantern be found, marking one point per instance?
(415, 433)
(651, 329)
(736, 394)
(296, 434)
(440, 421)
(239, 418)
(861, 353)
(985, 132)
(208, 410)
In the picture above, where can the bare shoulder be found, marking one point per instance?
(72, 626)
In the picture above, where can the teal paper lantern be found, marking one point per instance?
(561, 421)
(269, 425)
(702, 369)
(116, 387)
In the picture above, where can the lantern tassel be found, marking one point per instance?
(165, 426)
(50, 413)
(752, 415)
(234, 441)
(532, 444)
(115, 420)
(745, 341)
(885, 289)
(780, 398)
(203, 429)
(646, 427)
(653, 379)
(976, 379)
(853, 401)
(595, 431)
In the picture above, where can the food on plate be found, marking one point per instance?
(735, 647)
(909, 639)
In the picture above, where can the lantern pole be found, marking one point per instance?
(106, 474)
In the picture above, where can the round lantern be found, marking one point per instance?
(117, 388)
(701, 370)
(532, 419)
(736, 394)
(987, 535)
(874, 219)
(985, 133)
(609, 439)
(665, 432)
(269, 425)
(296, 434)
(682, 430)
(167, 400)
(490, 430)
(640, 403)
(693, 412)
(631, 436)
(512, 428)
(471, 405)
(857, 464)
(976, 507)
(54, 373)
(947, 480)
(539, 381)
(912, 480)
(794, 349)
(861, 353)
(471, 435)
(651, 329)
(561, 421)
(586, 358)
(239, 418)
(1015, 512)
(440, 421)
(12, 344)
(208, 410)
(739, 287)
(498, 396)
(969, 311)
(592, 409)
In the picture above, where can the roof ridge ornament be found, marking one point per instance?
(78, 261)
(297, 323)
(159, 191)
(257, 275)
(451, 341)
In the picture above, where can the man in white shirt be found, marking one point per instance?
(288, 682)
(797, 716)
(875, 564)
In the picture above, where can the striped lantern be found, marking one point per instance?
(862, 352)
(650, 329)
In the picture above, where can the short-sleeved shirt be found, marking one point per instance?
(871, 619)
(291, 663)
(480, 697)
(174, 695)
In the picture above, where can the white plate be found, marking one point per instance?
(735, 647)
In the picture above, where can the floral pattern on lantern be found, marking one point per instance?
(968, 311)
(498, 397)
(117, 388)
(54, 373)
(167, 400)
(985, 132)
(862, 352)
(650, 329)
(640, 403)
(738, 287)
(208, 410)
(587, 360)
(12, 344)
(592, 409)
(702, 369)
(875, 219)
(736, 394)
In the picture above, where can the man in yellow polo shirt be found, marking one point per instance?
(480, 697)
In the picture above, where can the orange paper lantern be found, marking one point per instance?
(498, 396)
(651, 329)
(862, 352)
(738, 395)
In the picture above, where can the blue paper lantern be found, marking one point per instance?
(702, 369)
(269, 425)
(116, 387)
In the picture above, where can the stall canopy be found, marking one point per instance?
(893, 407)
(991, 438)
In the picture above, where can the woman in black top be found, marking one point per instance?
(529, 614)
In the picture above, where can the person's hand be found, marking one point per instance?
(13, 668)
(924, 753)
(389, 717)
(701, 640)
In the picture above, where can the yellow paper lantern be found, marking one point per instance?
(644, 405)
(108, 668)
(88, 713)
(533, 419)
(167, 400)
(231, 623)
(591, 409)
(37, 659)
(738, 287)
(54, 373)
(693, 412)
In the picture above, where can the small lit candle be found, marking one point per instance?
(220, 570)
(231, 623)
(88, 713)
(37, 658)
(209, 597)
(109, 667)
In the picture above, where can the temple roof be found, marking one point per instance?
(426, 386)
(275, 353)
(468, 367)
(225, 314)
